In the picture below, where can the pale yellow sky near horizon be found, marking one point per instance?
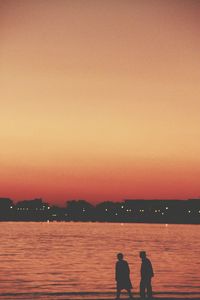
(99, 99)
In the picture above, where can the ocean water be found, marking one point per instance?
(77, 260)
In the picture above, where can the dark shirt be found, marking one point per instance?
(122, 270)
(122, 275)
(146, 269)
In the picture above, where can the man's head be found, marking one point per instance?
(120, 256)
(142, 254)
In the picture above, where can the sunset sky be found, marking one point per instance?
(100, 99)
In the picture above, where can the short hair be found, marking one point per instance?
(120, 255)
(142, 254)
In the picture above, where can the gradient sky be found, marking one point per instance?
(100, 99)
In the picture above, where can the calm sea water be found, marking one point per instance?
(77, 260)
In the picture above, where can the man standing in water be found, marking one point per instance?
(146, 275)
(122, 276)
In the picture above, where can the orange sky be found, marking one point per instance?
(100, 100)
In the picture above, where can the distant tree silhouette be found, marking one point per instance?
(80, 210)
(5, 203)
(32, 210)
(109, 211)
(58, 214)
(130, 210)
(6, 209)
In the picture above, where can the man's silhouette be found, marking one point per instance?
(122, 276)
(146, 275)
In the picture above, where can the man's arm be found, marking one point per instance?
(116, 271)
(151, 268)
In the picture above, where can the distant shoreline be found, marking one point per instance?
(100, 222)
(127, 211)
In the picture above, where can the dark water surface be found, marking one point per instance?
(76, 260)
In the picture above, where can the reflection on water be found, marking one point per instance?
(64, 259)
